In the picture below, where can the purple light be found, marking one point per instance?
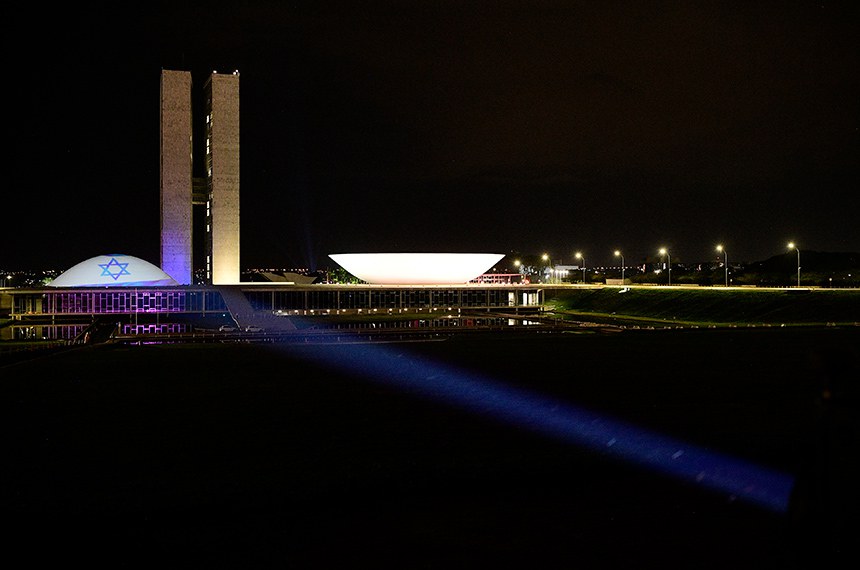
(560, 420)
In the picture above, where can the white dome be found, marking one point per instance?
(116, 270)
(417, 268)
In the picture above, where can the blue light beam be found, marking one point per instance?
(740, 479)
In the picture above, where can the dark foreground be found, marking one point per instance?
(242, 455)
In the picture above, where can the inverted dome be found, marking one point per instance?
(116, 270)
(416, 268)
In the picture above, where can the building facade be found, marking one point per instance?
(179, 189)
(66, 313)
(175, 175)
(222, 175)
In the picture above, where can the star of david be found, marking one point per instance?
(121, 267)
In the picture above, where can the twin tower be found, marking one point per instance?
(218, 190)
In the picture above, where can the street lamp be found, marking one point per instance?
(791, 246)
(619, 254)
(580, 256)
(546, 258)
(726, 262)
(664, 251)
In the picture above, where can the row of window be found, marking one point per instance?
(125, 301)
(177, 301)
(388, 299)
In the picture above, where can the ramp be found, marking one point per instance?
(245, 316)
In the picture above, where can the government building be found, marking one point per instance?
(131, 296)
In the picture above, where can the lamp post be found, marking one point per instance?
(726, 262)
(582, 257)
(664, 251)
(619, 254)
(792, 246)
(546, 258)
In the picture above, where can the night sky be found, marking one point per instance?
(472, 126)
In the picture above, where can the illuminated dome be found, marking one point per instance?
(416, 268)
(113, 271)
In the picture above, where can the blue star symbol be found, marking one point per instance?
(106, 268)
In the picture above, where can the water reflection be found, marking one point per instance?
(442, 322)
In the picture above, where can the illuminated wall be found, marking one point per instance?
(175, 174)
(114, 270)
(416, 268)
(222, 171)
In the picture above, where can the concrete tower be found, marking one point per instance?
(218, 191)
(175, 174)
(222, 174)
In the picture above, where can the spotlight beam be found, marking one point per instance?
(560, 420)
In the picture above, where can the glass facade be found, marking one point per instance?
(345, 299)
(65, 314)
(123, 301)
(172, 300)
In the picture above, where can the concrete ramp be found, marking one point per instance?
(245, 315)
